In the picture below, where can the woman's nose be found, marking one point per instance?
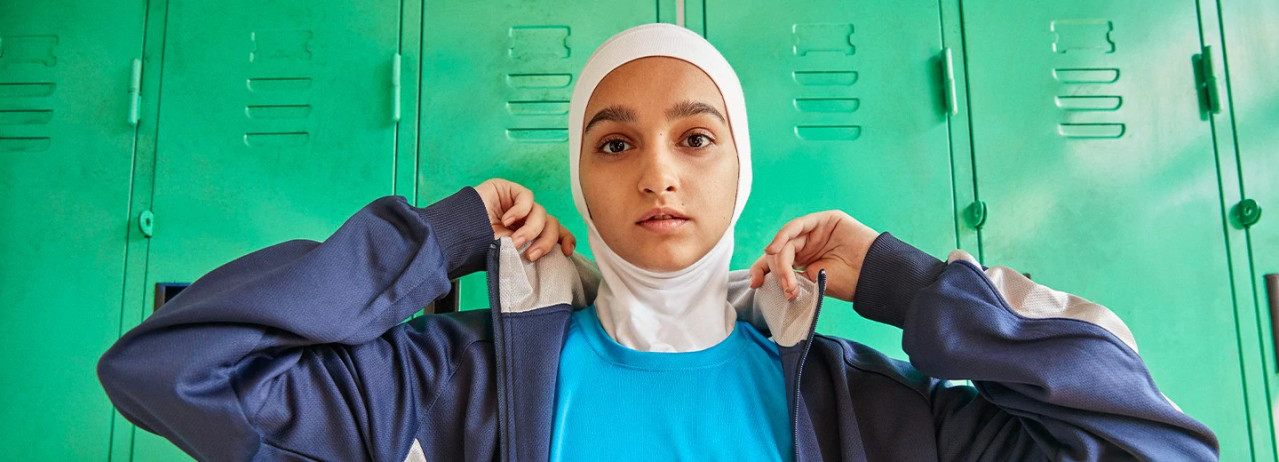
(658, 173)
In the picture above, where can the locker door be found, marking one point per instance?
(1097, 162)
(1252, 49)
(66, 149)
(274, 124)
(496, 80)
(845, 113)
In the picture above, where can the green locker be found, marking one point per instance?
(1096, 157)
(846, 112)
(275, 122)
(495, 95)
(66, 150)
(1251, 51)
(1105, 172)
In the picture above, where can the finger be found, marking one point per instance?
(522, 199)
(758, 270)
(795, 228)
(786, 260)
(532, 227)
(775, 267)
(567, 241)
(546, 240)
(812, 270)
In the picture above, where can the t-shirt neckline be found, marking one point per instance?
(608, 349)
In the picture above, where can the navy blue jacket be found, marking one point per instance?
(299, 352)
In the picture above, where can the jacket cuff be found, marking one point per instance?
(891, 274)
(460, 224)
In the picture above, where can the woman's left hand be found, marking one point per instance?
(830, 240)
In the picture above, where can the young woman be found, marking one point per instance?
(655, 351)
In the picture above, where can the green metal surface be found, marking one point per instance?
(495, 98)
(1080, 142)
(848, 111)
(1251, 54)
(66, 149)
(1095, 155)
(275, 123)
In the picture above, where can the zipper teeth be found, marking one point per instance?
(499, 351)
(799, 368)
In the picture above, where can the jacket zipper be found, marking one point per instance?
(499, 349)
(799, 368)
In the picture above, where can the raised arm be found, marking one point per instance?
(293, 349)
(1055, 375)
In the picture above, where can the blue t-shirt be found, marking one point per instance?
(727, 402)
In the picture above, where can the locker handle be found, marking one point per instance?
(1272, 292)
(948, 74)
(165, 291)
(449, 302)
(395, 89)
(135, 92)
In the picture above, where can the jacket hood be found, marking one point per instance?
(555, 279)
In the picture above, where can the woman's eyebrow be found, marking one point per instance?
(613, 113)
(691, 108)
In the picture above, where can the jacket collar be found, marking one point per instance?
(556, 279)
(530, 305)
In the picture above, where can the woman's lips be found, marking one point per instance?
(664, 225)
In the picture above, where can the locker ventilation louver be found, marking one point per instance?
(824, 104)
(1084, 98)
(538, 91)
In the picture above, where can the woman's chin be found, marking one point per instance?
(663, 258)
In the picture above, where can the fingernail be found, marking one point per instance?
(533, 254)
(519, 241)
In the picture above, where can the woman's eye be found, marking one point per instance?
(697, 140)
(614, 146)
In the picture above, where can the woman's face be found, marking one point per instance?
(658, 163)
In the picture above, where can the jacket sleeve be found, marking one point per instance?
(1055, 376)
(296, 350)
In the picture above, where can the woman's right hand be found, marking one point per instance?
(512, 212)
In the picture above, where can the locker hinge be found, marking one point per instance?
(948, 81)
(1272, 293)
(135, 92)
(975, 214)
(1247, 212)
(1208, 85)
(146, 222)
(395, 88)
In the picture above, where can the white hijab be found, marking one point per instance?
(687, 309)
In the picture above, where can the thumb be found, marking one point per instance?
(811, 271)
